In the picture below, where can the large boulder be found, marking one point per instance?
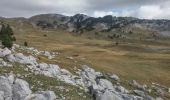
(100, 89)
(20, 58)
(105, 84)
(107, 95)
(54, 71)
(103, 89)
(5, 88)
(1, 95)
(49, 70)
(88, 75)
(20, 89)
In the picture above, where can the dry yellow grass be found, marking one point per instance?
(139, 60)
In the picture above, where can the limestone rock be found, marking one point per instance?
(49, 69)
(5, 88)
(114, 77)
(139, 93)
(49, 55)
(122, 89)
(4, 52)
(107, 95)
(20, 89)
(20, 58)
(42, 95)
(137, 85)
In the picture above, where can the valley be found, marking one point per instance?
(132, 53)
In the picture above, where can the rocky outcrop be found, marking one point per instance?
(36, 52)
(98, 84)
(18, 89)
(20, 58)
(54, 71)
(102, 89)
(42, 95)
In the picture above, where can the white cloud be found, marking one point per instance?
(97, 8)
(161, 11)
(153, 11)
(149, 11)
(125, 13)
(104, 13)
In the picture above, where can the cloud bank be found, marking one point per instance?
(150, 9)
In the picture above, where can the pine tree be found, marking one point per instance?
(6, 36)
(6, 41)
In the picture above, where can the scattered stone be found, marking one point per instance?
(87, 79)
(137, 85)
(114, 77)
(101, 89)
(148, 98)
(121, 89)
(42, 95)
(139, 93)
(149, 90)
(4, 52)
(158, 98)
(107, 95)
(49, 55)
(159, 91)
(71, 58)
(2, 62)
(18, 75)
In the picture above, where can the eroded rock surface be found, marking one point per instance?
(17, 89)
(86, 78)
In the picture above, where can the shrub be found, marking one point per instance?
(45, 35)
(25, 44)
(117, 43)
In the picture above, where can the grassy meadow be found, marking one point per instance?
(146, 61)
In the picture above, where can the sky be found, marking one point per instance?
(148, 9)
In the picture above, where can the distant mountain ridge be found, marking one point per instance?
(81, 22)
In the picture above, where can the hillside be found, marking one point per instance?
(137, 51)
(82, 23)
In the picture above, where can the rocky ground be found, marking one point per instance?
(24, 77)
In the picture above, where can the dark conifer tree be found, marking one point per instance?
(6, 36)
